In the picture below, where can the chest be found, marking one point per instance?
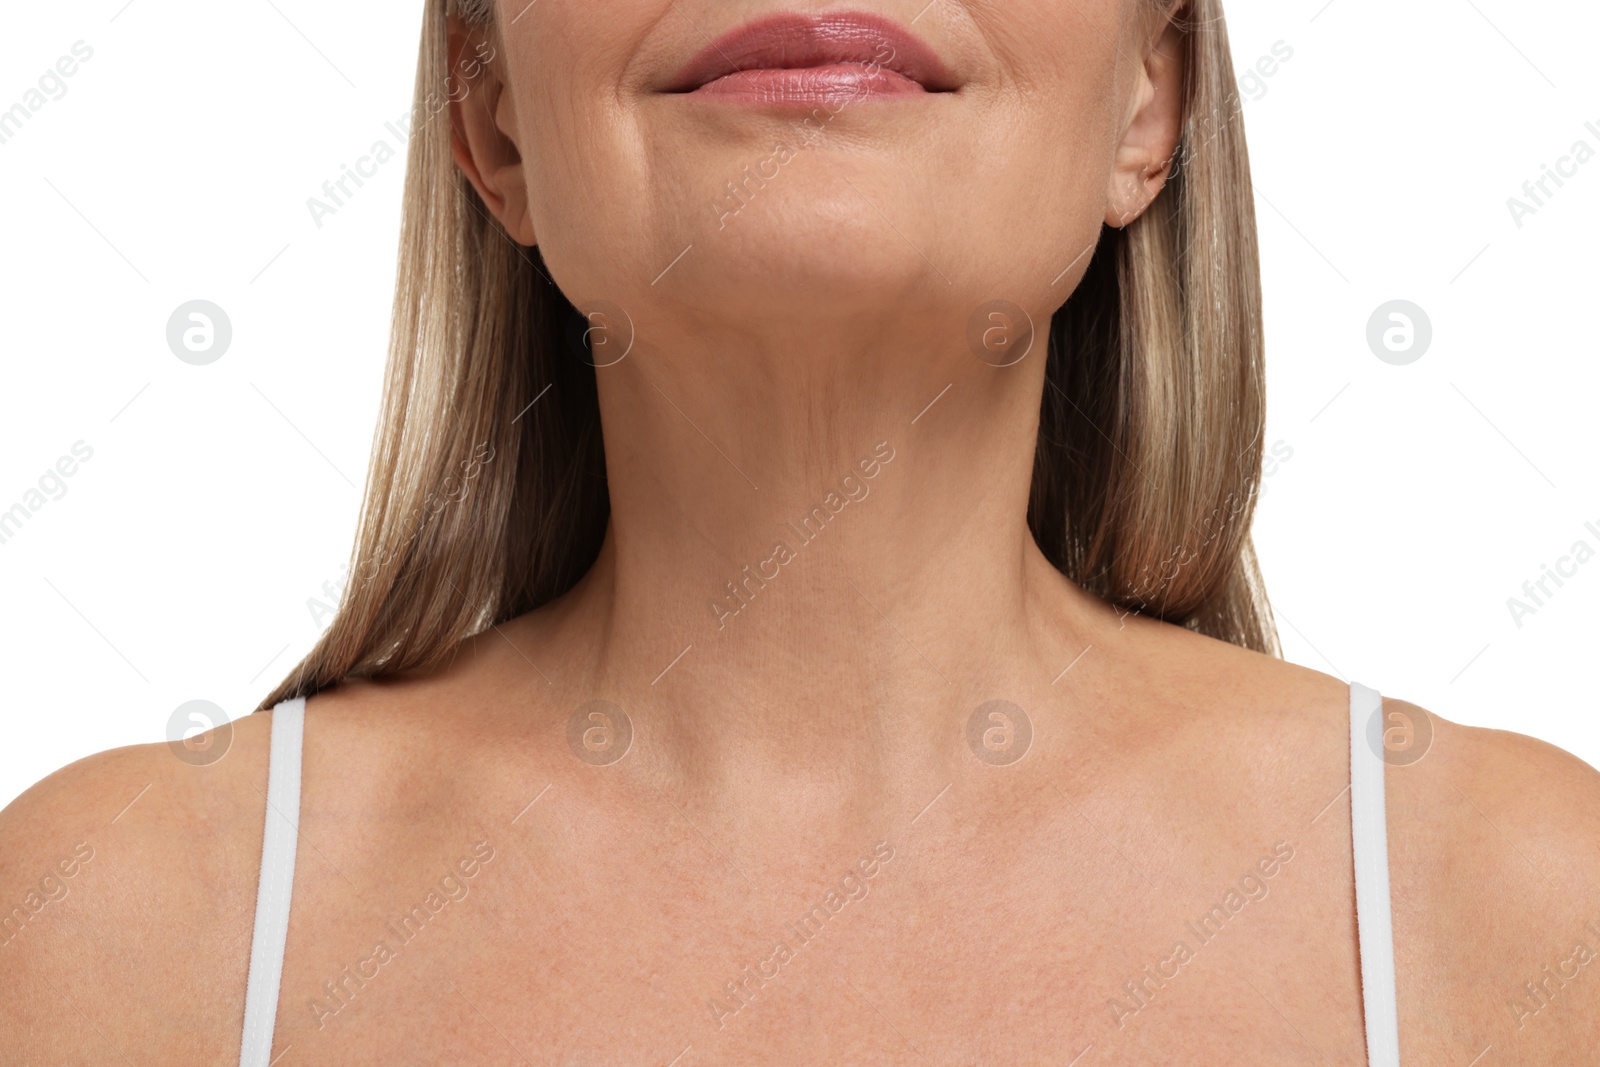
(969, 945)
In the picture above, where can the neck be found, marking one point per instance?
(809, 548)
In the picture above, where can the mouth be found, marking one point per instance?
(792, 57)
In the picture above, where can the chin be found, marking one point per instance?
(815, 249)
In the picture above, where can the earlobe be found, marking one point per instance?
(482, 124)
(1147, 153)
(1132, 194)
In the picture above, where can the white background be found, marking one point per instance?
(178, 163)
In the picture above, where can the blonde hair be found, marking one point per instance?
(486, 498)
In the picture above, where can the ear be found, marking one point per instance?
(1145, 156)
(483, 129)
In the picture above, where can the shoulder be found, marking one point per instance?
(1515, 808)
(1508, 805)
(1523, 785)
(136, 870)
(130, 870)
(1246, 712)
(1494, 845)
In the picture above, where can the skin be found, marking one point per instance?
(824, 725)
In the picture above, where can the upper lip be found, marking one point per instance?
(794, 40)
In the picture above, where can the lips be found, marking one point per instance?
(798, 57)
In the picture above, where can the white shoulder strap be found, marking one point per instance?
(277, 880)
(1369, 835)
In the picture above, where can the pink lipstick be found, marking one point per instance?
(807, 59)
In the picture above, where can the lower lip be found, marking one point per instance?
(811, 85)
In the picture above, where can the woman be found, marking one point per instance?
(785, 626)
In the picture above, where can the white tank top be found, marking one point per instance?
(1368, 831)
